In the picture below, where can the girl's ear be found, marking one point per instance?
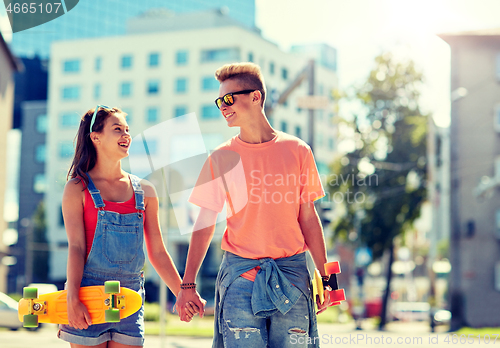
(94, 137)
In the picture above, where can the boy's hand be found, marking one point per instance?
(323, 306)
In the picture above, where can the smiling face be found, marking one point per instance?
(238, 114)
(114, 140)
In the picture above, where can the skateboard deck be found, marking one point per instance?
(108, 303)
(337, 295)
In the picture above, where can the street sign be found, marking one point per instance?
(313, 102)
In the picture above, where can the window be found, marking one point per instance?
(210, 111)
(219, 55)
(284, 126)
(152, 115)
(97, 91)
(320, 139)
(39, 183)
(284, 73)
(330, 143)
(181, 85)
(182, 57)
(152, 146)
(298, 132)
(40, 153)
(497, 118)
(66, 149)
(70, 120)
(154, 59)
(97, 64)
(180, 111)
(127, 62)
(71, 66)
(209, 83)
(41, 123)
(153, 86)
(250, 57)
(71, 93)
(126, 89)
(271, 68)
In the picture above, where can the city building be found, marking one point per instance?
(32, 186)
(8, 66)
(153, 83)
(33, 46)
(108, 17)
(474, 178)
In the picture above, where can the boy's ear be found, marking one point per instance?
(257, 96)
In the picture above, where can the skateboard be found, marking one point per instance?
(337, 295)
(106, 304)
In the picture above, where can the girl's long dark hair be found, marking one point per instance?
(85, 154)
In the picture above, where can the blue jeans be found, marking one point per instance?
(241, 328)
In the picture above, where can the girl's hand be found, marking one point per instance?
(78, 315)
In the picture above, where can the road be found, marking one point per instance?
(411, 335)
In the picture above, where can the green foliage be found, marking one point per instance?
(385, 171)
(151, 311)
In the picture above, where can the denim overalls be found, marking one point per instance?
(117, 254)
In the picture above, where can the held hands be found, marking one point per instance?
(78, 315)
(188, 304)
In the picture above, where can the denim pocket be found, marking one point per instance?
(121, 243)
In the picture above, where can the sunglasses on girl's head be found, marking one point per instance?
(95, 113)
(228, 98)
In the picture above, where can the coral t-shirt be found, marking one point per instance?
(264, 186)
(90, 214)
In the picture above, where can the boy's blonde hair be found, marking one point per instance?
(248, 76)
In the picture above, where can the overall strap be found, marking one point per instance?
(138, 191)
(94, 193)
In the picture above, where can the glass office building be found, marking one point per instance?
(93, 18)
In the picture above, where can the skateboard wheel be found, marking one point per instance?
(30, 293)
(332, 267)
(337, 295)
(112, 287)
(30, 320)
(112, 315)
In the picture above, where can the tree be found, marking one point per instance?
(381, 176)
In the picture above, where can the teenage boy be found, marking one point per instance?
(269, 181)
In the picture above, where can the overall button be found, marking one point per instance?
(277, 286)
(287, 302)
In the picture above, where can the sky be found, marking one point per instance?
(362, 29)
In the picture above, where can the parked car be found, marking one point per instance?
(410, 311)
(8, 312)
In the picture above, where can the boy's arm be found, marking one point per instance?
(204, 229)
(313, 234)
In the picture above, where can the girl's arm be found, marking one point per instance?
(157, 253)
(72, 209)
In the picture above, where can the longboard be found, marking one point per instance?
(336, 295)
(108, 303)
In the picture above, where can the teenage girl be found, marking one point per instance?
(108, 215)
